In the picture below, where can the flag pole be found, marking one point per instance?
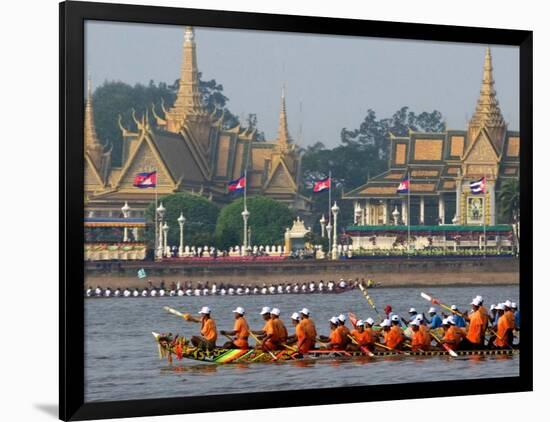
(156, 216)
(329, 235)
(409, 216)
(484, 218)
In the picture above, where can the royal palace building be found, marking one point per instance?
(440, 167)
(191, 152)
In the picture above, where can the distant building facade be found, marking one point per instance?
(191, 152)
(441, 167)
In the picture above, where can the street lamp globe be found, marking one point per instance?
(322, 220)
(181, 219)
(125, 210)
(245, 213)
(161, 210)
(335, 208)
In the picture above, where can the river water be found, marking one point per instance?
(121, 358)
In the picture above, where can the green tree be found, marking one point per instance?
(200, 214)
(508, 198)
(268, 221)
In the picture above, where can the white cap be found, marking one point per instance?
(334, 320)
(305, 311)
(265, 310)
(369, 321)
(342, 317)
(453, 307)
(432, 310)
(295, 316)
(395, 317)
(500, 307)
(275, 311)
(419, 317)
(205, 310)
(508, 304)
(412, 310)
(451, 320)
(360, 323)
(476, 301)
(514, 305)
(480, 298)
(385, 323)
(238, 310)
(414, 322)
(493, 306)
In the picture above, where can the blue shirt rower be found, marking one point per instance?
(435, 321)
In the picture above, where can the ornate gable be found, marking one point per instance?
(280, 179)
(481, 157)
(145, 159)
(92, 179)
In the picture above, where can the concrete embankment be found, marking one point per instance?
(391, 272)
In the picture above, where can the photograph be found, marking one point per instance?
(278, 211)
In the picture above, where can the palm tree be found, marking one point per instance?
(509, 205)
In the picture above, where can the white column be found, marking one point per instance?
(458, 194)
(367, 212)
(421, 209)
(404, 215)
(386, 213)
(442, 208)
(492, 200)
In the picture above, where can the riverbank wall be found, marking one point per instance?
(390, 272)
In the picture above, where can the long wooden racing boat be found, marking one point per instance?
(179, 347)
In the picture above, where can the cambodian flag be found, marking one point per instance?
(237, 185)
(321, 185)
(404, 185)
(145, 180)
(478, 186)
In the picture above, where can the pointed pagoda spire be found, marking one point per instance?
(188, 100)
(487, 114)
(91, 142)
(283, 137)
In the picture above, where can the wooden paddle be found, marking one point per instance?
(369, 299)
(258, 341)
(445, 346)
(173, 311)
(363, 348)
(383, 346)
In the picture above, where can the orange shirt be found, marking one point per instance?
(208, 330)
(476, 330)
(241, 333)
(511, 318)
(336, 338)
(394, 337)
(309, 329)
(454, 336)
(421, 339)
(502, 327)
(277, 330)
(364, 338)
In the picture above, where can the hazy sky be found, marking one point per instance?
(336, 79)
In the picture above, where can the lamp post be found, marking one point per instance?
(126, 213)
(249, 235)
(160, 213)
(165, 232)
(181, 222)
(395, 214)
(329, 235)
(323, 223)
(245, 215)
(335, 210)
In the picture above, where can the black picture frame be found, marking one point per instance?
(72, 16)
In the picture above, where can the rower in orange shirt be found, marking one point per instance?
(262, 334)
(298, 332)
(209, 332)
(274, 332)
(505, 329)
(310, 332)
(363, 337)
(421, 339)
(478, 323)
(335, 339)
(343, 329)
(509, 314)
(241, 331)
(395, 336)
(453, 335)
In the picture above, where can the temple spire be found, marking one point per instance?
(283, 138)
(188, 99)
(91, 142)
(487, 114)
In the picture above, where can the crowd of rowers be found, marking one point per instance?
(200, 289)
(461, 331)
